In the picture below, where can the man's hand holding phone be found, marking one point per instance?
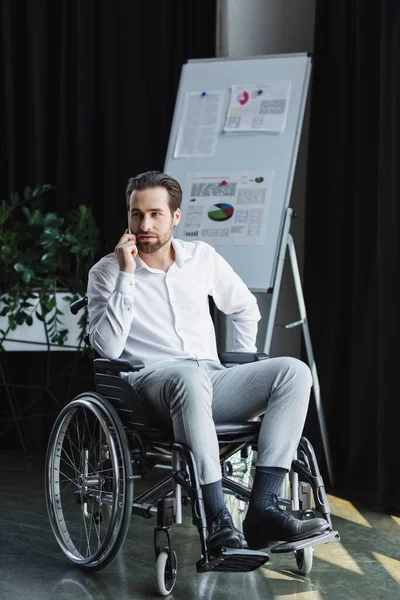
(126, 251)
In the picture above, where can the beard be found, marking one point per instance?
(151, 247)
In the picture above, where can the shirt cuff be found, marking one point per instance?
(125, 283)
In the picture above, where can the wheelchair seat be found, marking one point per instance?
(225, 431)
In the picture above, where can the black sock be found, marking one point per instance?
(213, 499)
(267, 484)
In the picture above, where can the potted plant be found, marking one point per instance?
(43, 256)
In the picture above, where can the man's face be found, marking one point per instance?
(151, 219)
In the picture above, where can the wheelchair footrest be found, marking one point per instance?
(233, 560)
(322, 538)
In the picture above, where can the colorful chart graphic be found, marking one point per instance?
(243, 98)
(221, 212)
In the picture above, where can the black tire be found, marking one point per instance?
(88, 451)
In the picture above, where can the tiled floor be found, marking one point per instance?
(364, 565)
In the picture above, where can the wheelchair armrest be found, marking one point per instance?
(116, 366)
(240, 358)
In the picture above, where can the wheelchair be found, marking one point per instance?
(102, 441)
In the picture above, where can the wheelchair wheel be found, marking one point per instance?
(89, 488)
(240, 468)
(304, 560)
(166, 572)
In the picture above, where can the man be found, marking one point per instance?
(149, 300)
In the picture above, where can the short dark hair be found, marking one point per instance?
(151, 179)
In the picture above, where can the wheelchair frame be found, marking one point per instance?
(132, 447)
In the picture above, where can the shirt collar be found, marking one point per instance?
(181, 256)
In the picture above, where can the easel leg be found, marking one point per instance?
(310, 355)
(277, 280)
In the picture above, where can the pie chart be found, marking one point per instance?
(220, 212)
(243, 98)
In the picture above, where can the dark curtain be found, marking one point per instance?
(352, 253)
(88, 93)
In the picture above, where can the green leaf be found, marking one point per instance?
(52, 303)
(26, 304)
(27, 213)
(20, 318)
(27, 193)
(37, 217)
(52, 232)
(27, 276)
(39, 316)
(49, 218)
(71, 238)
(5, 212)
(6, 251)
(19, 267)
(29, 320)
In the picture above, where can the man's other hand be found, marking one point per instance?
(126, 251)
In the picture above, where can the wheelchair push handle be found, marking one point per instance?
(78, 304)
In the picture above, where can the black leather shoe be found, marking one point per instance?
(276, 524)
(223, 533)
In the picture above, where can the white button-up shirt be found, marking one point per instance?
(155, 316)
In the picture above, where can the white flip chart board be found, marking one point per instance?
(233, 148)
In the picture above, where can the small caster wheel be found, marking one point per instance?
(304, 560)
(166, 571)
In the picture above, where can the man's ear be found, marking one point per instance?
(177, 217)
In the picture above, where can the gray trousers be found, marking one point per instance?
(198, 394)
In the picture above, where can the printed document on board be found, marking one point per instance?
(227, 209)
(199, 128)
(261, 107)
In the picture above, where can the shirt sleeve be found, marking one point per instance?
(111, 310)
(232, 297)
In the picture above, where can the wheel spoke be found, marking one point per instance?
(68, 478)
(65, 488)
